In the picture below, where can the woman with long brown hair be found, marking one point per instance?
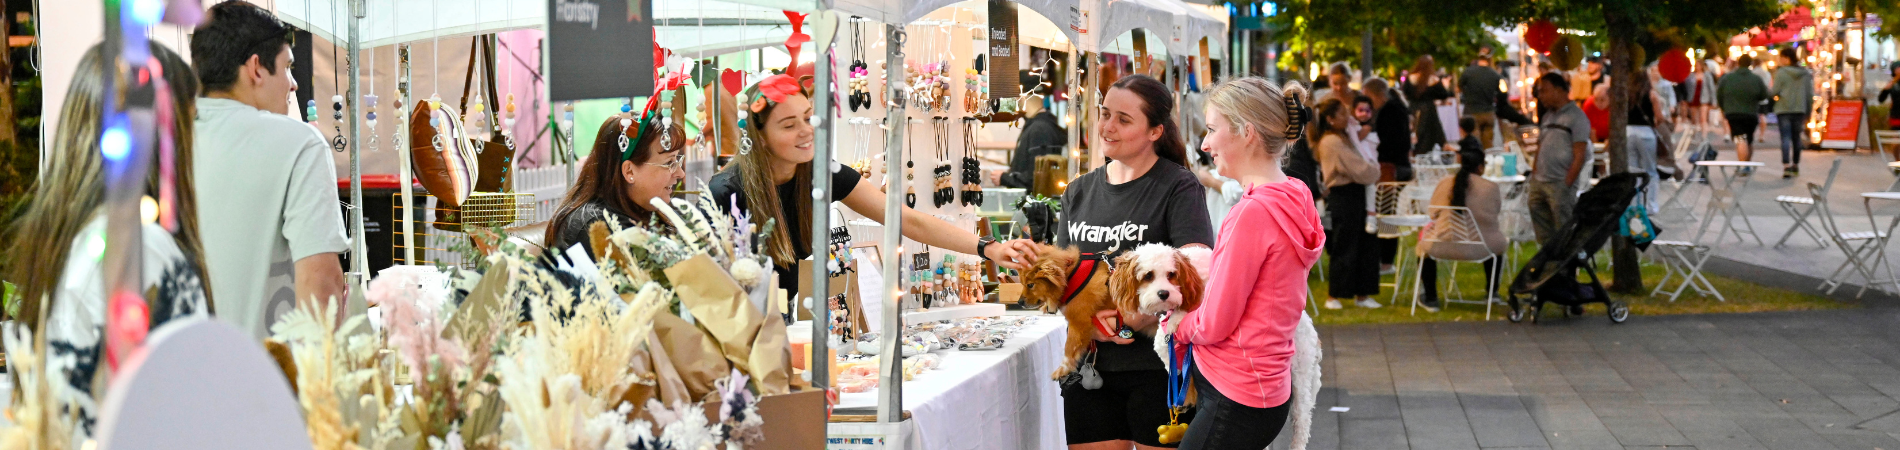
(1353, 272)
(634, 161)
(1145, 195)
(771, 180)
(63, 297)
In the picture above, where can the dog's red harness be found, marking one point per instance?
(1085, 270)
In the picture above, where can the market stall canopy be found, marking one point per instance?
(1064, 13)
(1786, 28)
(396, 21)
(1196, 25)
(1156, 17)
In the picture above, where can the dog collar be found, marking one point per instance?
(1084, 270)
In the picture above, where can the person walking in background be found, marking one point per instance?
(1338, 85)
(1891, 96)
(1423, 92)
(1042, 135)
(268, 186)
(1739, 95)
(1794, 98)
(1563, 152)
(1353, 271)
(1645, 116)
(1478, 92)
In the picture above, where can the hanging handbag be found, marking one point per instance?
(444, 161)
(496, 156)
(1636, 225)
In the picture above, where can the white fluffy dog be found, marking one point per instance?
(1158, 279)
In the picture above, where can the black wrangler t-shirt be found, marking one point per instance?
(1167, 205)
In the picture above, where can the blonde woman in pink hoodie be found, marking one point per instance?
(1243, 337)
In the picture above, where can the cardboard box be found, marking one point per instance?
(794, 421)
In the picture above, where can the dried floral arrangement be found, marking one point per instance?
(551, 352)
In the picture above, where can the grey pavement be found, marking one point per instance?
(1786, 380)
(1802, 262)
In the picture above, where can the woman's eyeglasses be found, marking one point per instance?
(677, 161)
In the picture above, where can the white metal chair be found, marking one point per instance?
(1885, 140)
(1865, 250)
(1456, 226)
(1398, 214)
(1800, 207)
(1683, 260)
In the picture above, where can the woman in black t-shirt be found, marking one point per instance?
(772, 180)
(620, 182)
(1145, 195)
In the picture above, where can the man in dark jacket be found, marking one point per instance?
(1393, 124)
(1042, 135)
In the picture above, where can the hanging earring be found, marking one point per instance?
(369, 101)
(666, 122)
(624, 141)
(745, 144)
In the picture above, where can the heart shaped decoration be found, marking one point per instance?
(732, 80)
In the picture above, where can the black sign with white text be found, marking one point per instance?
(600, 49)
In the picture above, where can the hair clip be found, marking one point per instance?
(1296, 117)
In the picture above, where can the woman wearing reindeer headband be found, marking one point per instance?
(771, 179)
(635, 159)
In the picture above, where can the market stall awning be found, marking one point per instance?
(397, 21)
(1786, 28)
(1064, 13)
(1156, 17)
(1196, 25)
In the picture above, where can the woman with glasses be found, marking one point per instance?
(633, 162)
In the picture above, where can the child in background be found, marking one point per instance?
(1467, 142)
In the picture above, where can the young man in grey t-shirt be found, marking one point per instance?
(1563, 152)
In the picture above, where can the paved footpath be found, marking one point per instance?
(1786, 380)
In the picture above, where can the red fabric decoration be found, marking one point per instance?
(732, 80)
(796, 41)
(1674, 65)
(777, 87)
(1540, 34)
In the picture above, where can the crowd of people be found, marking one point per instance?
(261, 182)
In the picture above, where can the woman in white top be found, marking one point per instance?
(63, 286)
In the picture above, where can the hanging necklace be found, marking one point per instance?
(945, 193)
(860, 73)
(972, 176)
(369, 103)
(910, 170)
(340, 142)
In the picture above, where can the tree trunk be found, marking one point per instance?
(1626, 275)
(8, 129)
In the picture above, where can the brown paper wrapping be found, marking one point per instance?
(668, 385)
(771, 357)
(719, 305)
(693, 354)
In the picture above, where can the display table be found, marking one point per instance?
(977, 399)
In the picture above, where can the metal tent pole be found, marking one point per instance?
(890, 405)
(359, 264)
(821, 166)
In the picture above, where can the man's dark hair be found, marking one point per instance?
(1744, 62)
(1788, 52)
(1467, 123)
(235, 31)
(1555, 79)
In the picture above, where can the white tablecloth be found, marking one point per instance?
(1001, 399)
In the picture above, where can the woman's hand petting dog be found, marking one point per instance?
(1016, 254)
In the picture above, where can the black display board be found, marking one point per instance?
(600, 49)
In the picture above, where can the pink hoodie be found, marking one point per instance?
(1256, 289)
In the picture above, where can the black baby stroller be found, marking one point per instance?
(1551, 275)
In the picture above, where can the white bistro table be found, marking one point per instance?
(1725, 199)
